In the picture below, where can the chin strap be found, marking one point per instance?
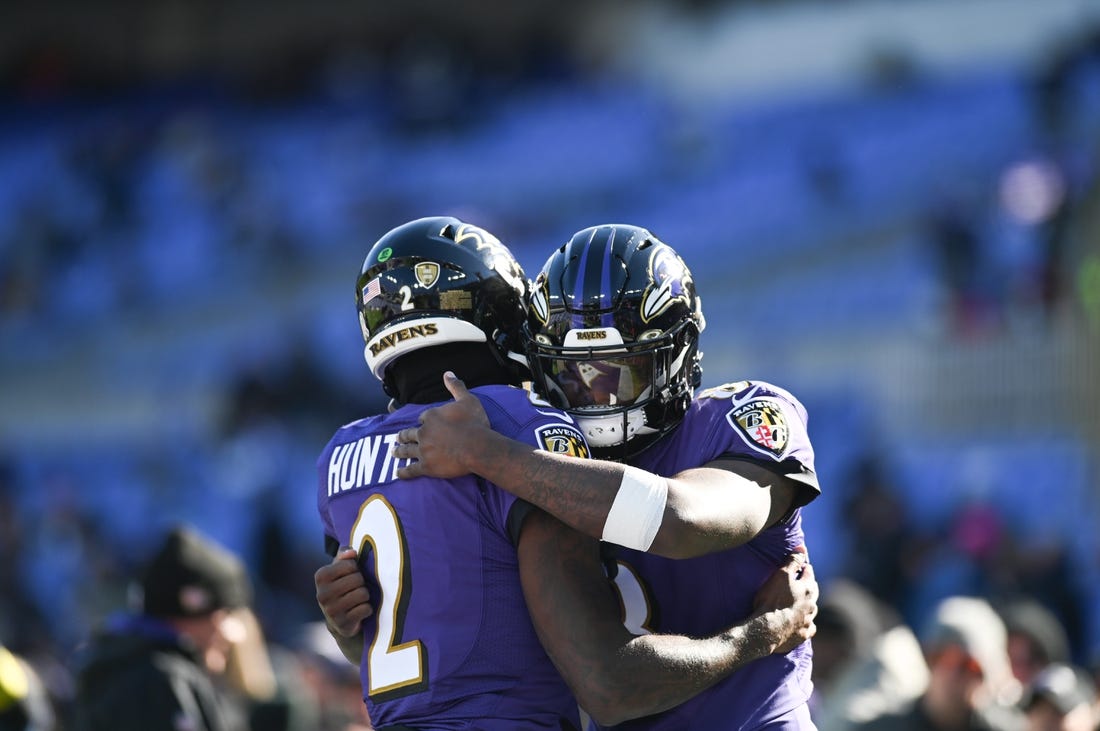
(388, 386)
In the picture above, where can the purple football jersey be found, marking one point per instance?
(450, 644)
(701, 596)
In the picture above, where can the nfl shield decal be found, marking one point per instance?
(761, 423)
(427, 273)
(562, 439)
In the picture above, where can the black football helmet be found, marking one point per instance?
(439, 280)
(612, 333)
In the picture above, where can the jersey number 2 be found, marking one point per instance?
(392, 665)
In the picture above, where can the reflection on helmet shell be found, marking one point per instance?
(609, 381)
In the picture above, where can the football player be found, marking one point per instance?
(470, 584)
(716, 479)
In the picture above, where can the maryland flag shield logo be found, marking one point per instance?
(761, 423)
(562, 439)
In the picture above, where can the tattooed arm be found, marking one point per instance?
(723, 504)
(617, 676)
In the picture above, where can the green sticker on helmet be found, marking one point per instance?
(385, 254)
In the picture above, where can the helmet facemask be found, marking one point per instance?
(619, 393)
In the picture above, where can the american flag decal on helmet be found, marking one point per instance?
(372, 290)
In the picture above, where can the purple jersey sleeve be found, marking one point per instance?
(701, 596)
(523, 416)
(764, 423)
(450, 644)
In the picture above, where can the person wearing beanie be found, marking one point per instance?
(867, 661)
(163, 664)
(970, 682)
(1036, 638)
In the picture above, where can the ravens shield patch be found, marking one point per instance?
(562, 439)
(762, 424)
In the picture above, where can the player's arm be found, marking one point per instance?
(345, 602)
(617, 676)
(720, 505)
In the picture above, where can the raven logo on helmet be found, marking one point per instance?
(667, 276)
(540, 300)
(482, 238)
(502, 260)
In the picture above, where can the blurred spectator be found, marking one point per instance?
(189, 658)
(333, 681)
(1027, 251)
(970, 684)
(866, 662)
(824, 168)
(1036, 638)
(882, 541)
(1055, 104)
(849, 621)
(24, 703)
(18, 616)
(1048, 572)
(1062, 698)
(957, 244)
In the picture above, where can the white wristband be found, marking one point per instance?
(637, 511)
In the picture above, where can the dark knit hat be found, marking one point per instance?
(191, 575)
